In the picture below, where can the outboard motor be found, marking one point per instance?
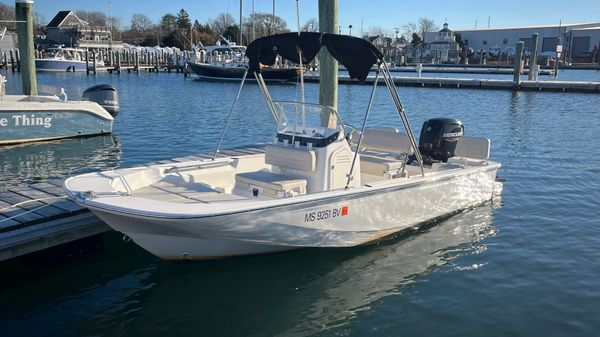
(438, 139)
(105, 95)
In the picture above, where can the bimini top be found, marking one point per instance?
(356, 54)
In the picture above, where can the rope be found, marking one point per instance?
(26, 202)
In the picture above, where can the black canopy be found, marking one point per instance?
(356, 54)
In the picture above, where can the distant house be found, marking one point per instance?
(444, 48)
(389, 47)
(416, 53)
(69, 30)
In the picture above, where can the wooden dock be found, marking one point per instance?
(473, 83)
(39, 216)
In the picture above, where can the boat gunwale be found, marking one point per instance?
(307, 199)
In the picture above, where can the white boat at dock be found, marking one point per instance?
(65, 59)
(320, 183)
(25, 118)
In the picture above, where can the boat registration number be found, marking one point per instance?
(325, 214)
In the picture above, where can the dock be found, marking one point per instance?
(38, 216)
(473, 83)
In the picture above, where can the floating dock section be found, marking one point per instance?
(473, 83)
(39, 216)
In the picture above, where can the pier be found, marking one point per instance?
(474, 83)
(38, 216)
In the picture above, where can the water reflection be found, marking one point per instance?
(288, 294)
(35, 162)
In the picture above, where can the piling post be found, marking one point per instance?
(118, 63)
(87, 62)
(136, 62)
(94, 62)
(156, 65)
(518, 56)
(24, 16)
(12, 61)
(533, 58)
(328, 68)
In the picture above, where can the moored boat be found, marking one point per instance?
(320, 183)
(25, 118)
(64, 59)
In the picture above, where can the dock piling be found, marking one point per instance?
(532, 76)
(518, 57)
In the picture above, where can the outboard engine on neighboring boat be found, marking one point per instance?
(438, 139)
(105, 95)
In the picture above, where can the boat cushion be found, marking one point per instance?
(473, 147)
(384, 140)
(270, 184)
(290, 157)
(379, 166)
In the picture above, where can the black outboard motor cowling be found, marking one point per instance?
(105, 95)
(438, 139)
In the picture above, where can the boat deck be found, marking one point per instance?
(38, 216)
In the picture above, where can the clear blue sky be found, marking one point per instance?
(461, 14)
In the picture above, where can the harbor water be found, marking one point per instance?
(527, 264)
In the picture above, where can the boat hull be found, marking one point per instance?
(216, 72)
(61, 65)
(37, 125)
(341, 221)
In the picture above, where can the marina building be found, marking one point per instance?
(578, 40)
(444, 47)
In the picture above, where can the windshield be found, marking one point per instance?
(309, 120)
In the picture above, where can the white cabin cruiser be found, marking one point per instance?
(320, 183)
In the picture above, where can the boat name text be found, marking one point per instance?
(325, 214)
(27, 120)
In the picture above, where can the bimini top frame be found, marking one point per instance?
(356, 54)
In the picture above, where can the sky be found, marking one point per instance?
(388, 14)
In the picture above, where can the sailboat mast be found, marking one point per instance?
(240, 41)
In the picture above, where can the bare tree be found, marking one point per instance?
(311, 25)
(376, 30)
(94, 18)
(220, 24)
(427, 25)
(7, 13)
(263, 24)
(409, 29)
(140, 23)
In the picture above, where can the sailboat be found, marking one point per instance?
(320, 182)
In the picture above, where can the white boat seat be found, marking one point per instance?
(473, 147)
(380, 166)
(290, 157)
(270, 184)
(385, 140)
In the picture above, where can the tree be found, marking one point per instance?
(8, 13)
(94, 18)
(427, 25)
(221, 23)
(311, 25)
(263, 24)
(232, 33)
(183, 20)
(409, 29)
(140, 23)
(416, 39)
(168, 23)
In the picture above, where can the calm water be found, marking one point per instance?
(526, 266)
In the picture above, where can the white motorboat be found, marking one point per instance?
(65, 59)
(320, 183)
(27, 118)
